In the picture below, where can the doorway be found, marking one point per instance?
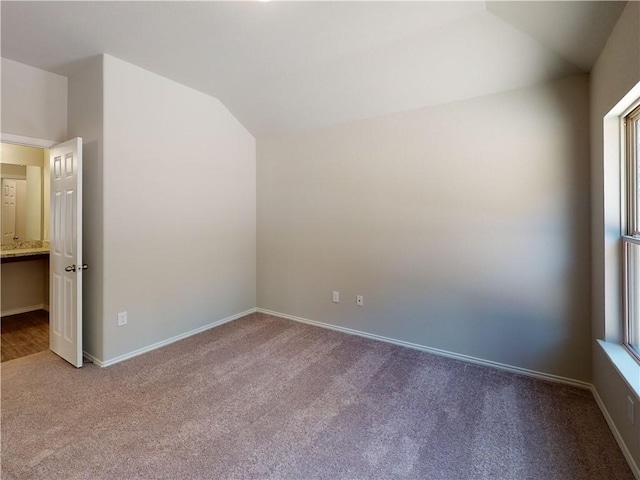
(64, 247)
(24, 250)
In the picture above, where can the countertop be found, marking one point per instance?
(24, 252)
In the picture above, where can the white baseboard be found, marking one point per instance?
(616, 434)
(437, 351)
(92, 359)
(17, 311)
(135, 353)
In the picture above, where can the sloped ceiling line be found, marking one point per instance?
(286, 66)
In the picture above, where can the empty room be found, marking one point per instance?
(320, 240)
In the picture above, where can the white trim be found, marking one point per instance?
(437, 351)
(616, 434)
(17, 311)
(626, 365)
(27, 141)
(135, 353)
(10, 176)
(92, 359)
(627, 103)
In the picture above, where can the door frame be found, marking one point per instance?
(27, 141)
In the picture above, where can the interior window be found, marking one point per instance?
(631, 240)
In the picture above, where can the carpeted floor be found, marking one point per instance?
(268, 398)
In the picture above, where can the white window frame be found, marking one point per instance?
(631, 217)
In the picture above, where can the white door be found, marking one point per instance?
(8, 211)
(65, 316)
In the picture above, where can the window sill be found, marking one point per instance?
(624, 363)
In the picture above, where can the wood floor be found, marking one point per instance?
(24, 334)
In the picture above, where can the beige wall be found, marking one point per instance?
(464, 226)
(179, 250)
(34, 102)
(86, 121)
(24, 286)
(21, 155)
(615, 73)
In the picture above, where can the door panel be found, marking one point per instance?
(65, 337)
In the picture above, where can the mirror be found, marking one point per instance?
(25, 182)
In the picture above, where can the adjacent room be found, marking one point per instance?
(313, 240)
(25, 250)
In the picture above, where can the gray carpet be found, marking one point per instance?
(266, 398)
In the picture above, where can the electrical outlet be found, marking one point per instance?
(631, 414)
(122, 318)
(336, 297)
(360, 301)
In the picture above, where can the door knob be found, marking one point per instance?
(70, 268)
(84, 266)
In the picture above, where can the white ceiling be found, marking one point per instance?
(285, 66)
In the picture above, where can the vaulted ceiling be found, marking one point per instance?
(286, 66)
